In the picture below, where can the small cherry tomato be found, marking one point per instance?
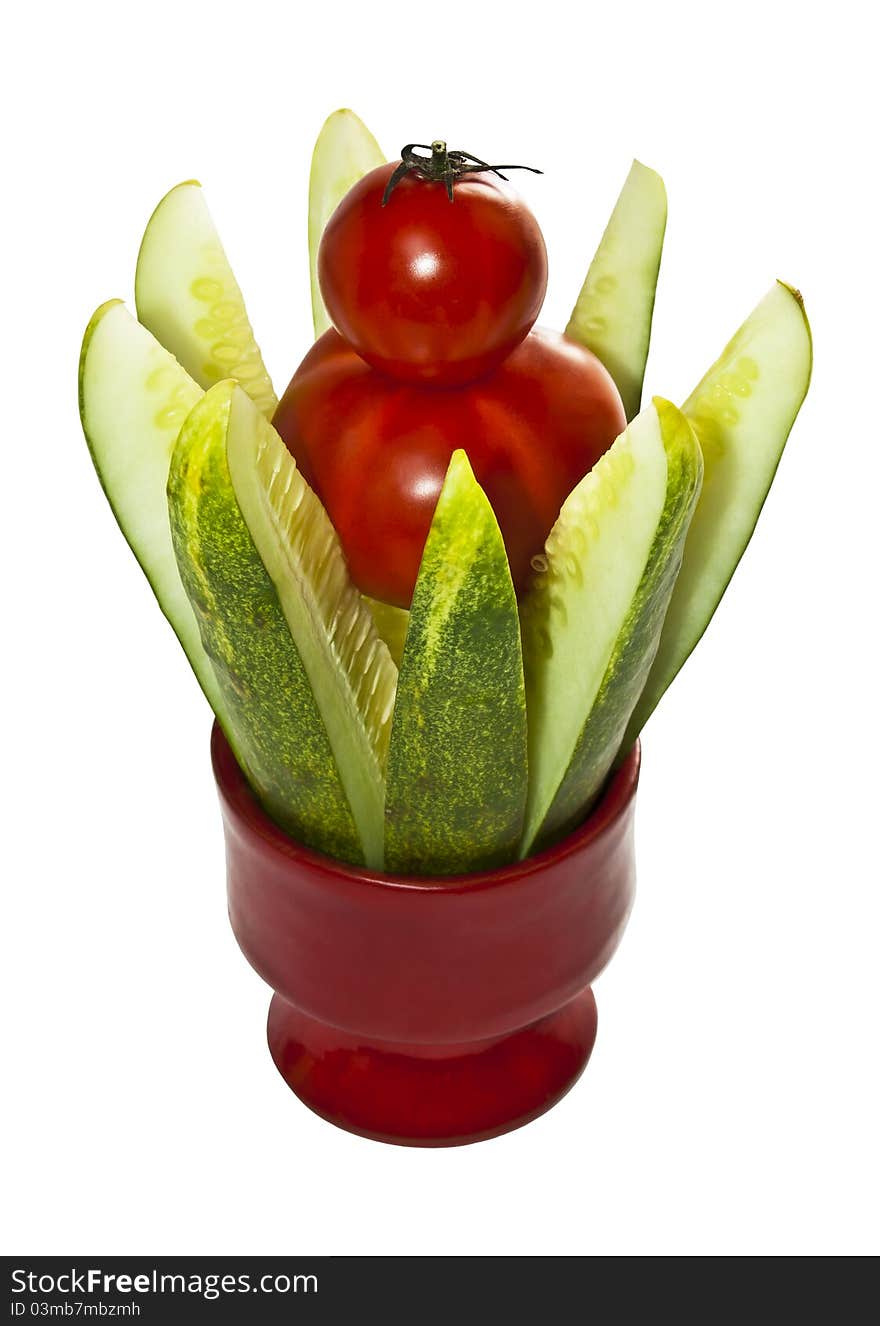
(427, 289)
(376, 450)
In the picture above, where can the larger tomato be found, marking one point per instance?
(430, 290)
(376, 450)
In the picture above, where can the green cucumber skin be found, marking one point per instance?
(277, 732)
(635, 643)
(713, 552)
(458, 767)
(576, 606)
(344, 152)
(615, 308)
(352, 675)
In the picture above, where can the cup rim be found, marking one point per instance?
(240, 803)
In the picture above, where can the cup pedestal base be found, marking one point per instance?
(432, 1095)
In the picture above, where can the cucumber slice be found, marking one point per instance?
(133, 399)
(352, 675)
(743, 411)
(278, 733)
(613, 313)
(187, 296)
(391, 623)
(457, 770)
(592, 620)
(344, 152)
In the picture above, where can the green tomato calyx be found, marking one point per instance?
(442, 166)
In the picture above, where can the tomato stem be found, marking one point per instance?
(442, 166)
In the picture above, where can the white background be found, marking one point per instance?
(731, 1103)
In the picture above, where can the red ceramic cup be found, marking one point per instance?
(429, 1012)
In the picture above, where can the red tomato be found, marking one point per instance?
(430, 290)
(376, 451)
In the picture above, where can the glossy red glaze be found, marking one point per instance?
(376, 451)
(429, 1011)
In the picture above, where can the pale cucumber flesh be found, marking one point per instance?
(345, 151)
(457, 768)
(592, 619)
(615, 308)
(275, 727)
(133, 399)
(352, 676)
(743, 411)
(391, 623)
(188, 297)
